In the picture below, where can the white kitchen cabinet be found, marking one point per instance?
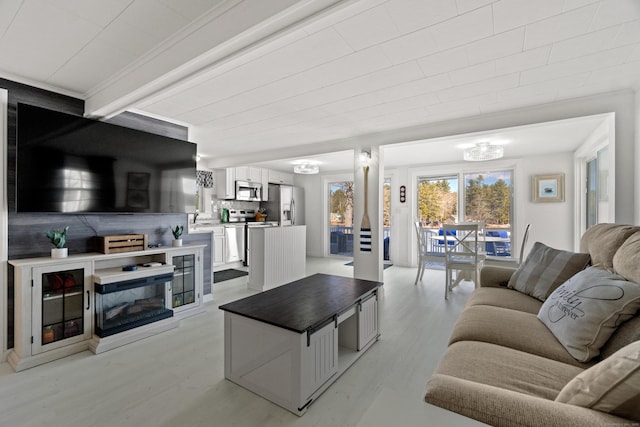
(219, 255)
(278, 177)
(234, 243)
(265, 185)
(249, 173)
(225, 183)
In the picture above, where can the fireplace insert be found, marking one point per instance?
(125, 305)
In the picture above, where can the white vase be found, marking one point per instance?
(177, 242)
(59, 252)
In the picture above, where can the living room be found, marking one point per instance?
(72, 75)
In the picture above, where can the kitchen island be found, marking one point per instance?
(290, 343)
(277, 255)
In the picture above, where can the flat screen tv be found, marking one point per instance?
(72, 164)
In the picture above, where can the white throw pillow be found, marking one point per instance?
(585, 310)
(612, 385)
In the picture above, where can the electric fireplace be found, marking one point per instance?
(128, 304)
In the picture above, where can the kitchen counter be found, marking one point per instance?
(277, 255)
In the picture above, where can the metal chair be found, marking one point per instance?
(464, 253)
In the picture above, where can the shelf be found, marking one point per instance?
(116, 274)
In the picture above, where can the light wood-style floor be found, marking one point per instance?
(177, 378)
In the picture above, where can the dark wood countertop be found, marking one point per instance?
(305, 304)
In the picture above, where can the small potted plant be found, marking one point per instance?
(59, 240)
(177, 232)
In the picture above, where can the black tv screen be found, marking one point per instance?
(72, 164)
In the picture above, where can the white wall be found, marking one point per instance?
(314, 216)
(551, 223)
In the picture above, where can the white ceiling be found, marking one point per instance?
(283, 76)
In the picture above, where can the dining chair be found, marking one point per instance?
(464, 254)
(422, 250)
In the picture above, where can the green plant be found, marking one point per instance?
(58, 237)
(177, 232)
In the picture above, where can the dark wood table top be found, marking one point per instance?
(305, 304)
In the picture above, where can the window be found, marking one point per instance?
(485, 197)
(488, 199)
(437, 200)
(341, 218)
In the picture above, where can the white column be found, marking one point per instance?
(368, 264)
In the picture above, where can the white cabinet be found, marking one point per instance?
(186, 287)
(234, 243)
(265, 185)
(61, 302)
(319, 360)
(219, 255)
(367, 321)
(225, 183)
(278, 177)
(53, 312)
(248, 173)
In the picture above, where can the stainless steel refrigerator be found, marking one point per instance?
(285, 205)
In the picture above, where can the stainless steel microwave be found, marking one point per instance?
(248, 191)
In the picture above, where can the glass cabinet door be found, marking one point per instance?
(62, 305)
(184, 280)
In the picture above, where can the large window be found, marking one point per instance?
(437, 200)
(485, 197)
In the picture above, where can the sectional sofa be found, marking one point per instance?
(554, 342)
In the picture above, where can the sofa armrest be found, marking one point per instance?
(495, 277)
(501, 407)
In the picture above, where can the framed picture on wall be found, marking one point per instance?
(547, 188)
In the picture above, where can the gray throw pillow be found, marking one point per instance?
(545, 269)
(612, 385)
(585, 310)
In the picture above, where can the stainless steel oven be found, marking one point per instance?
(248, 191)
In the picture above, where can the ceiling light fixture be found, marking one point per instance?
(306, 167)
(483, 151)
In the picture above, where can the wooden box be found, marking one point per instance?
(122, 243)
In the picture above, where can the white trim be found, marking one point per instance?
(603, 136)
(4, 222)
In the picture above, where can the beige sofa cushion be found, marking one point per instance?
(612, 385)
(506, 368)
(545, 269)
(625, 334)
(627, 259)
(585, 311)
(499, 407)
(505, 298)
(513, 329)
(602, 241)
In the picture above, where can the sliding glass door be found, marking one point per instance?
(341, 218)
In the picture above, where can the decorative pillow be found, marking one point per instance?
(545, 269)
(612, 385)
(585, 310)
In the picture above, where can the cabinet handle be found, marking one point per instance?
(88, 300)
